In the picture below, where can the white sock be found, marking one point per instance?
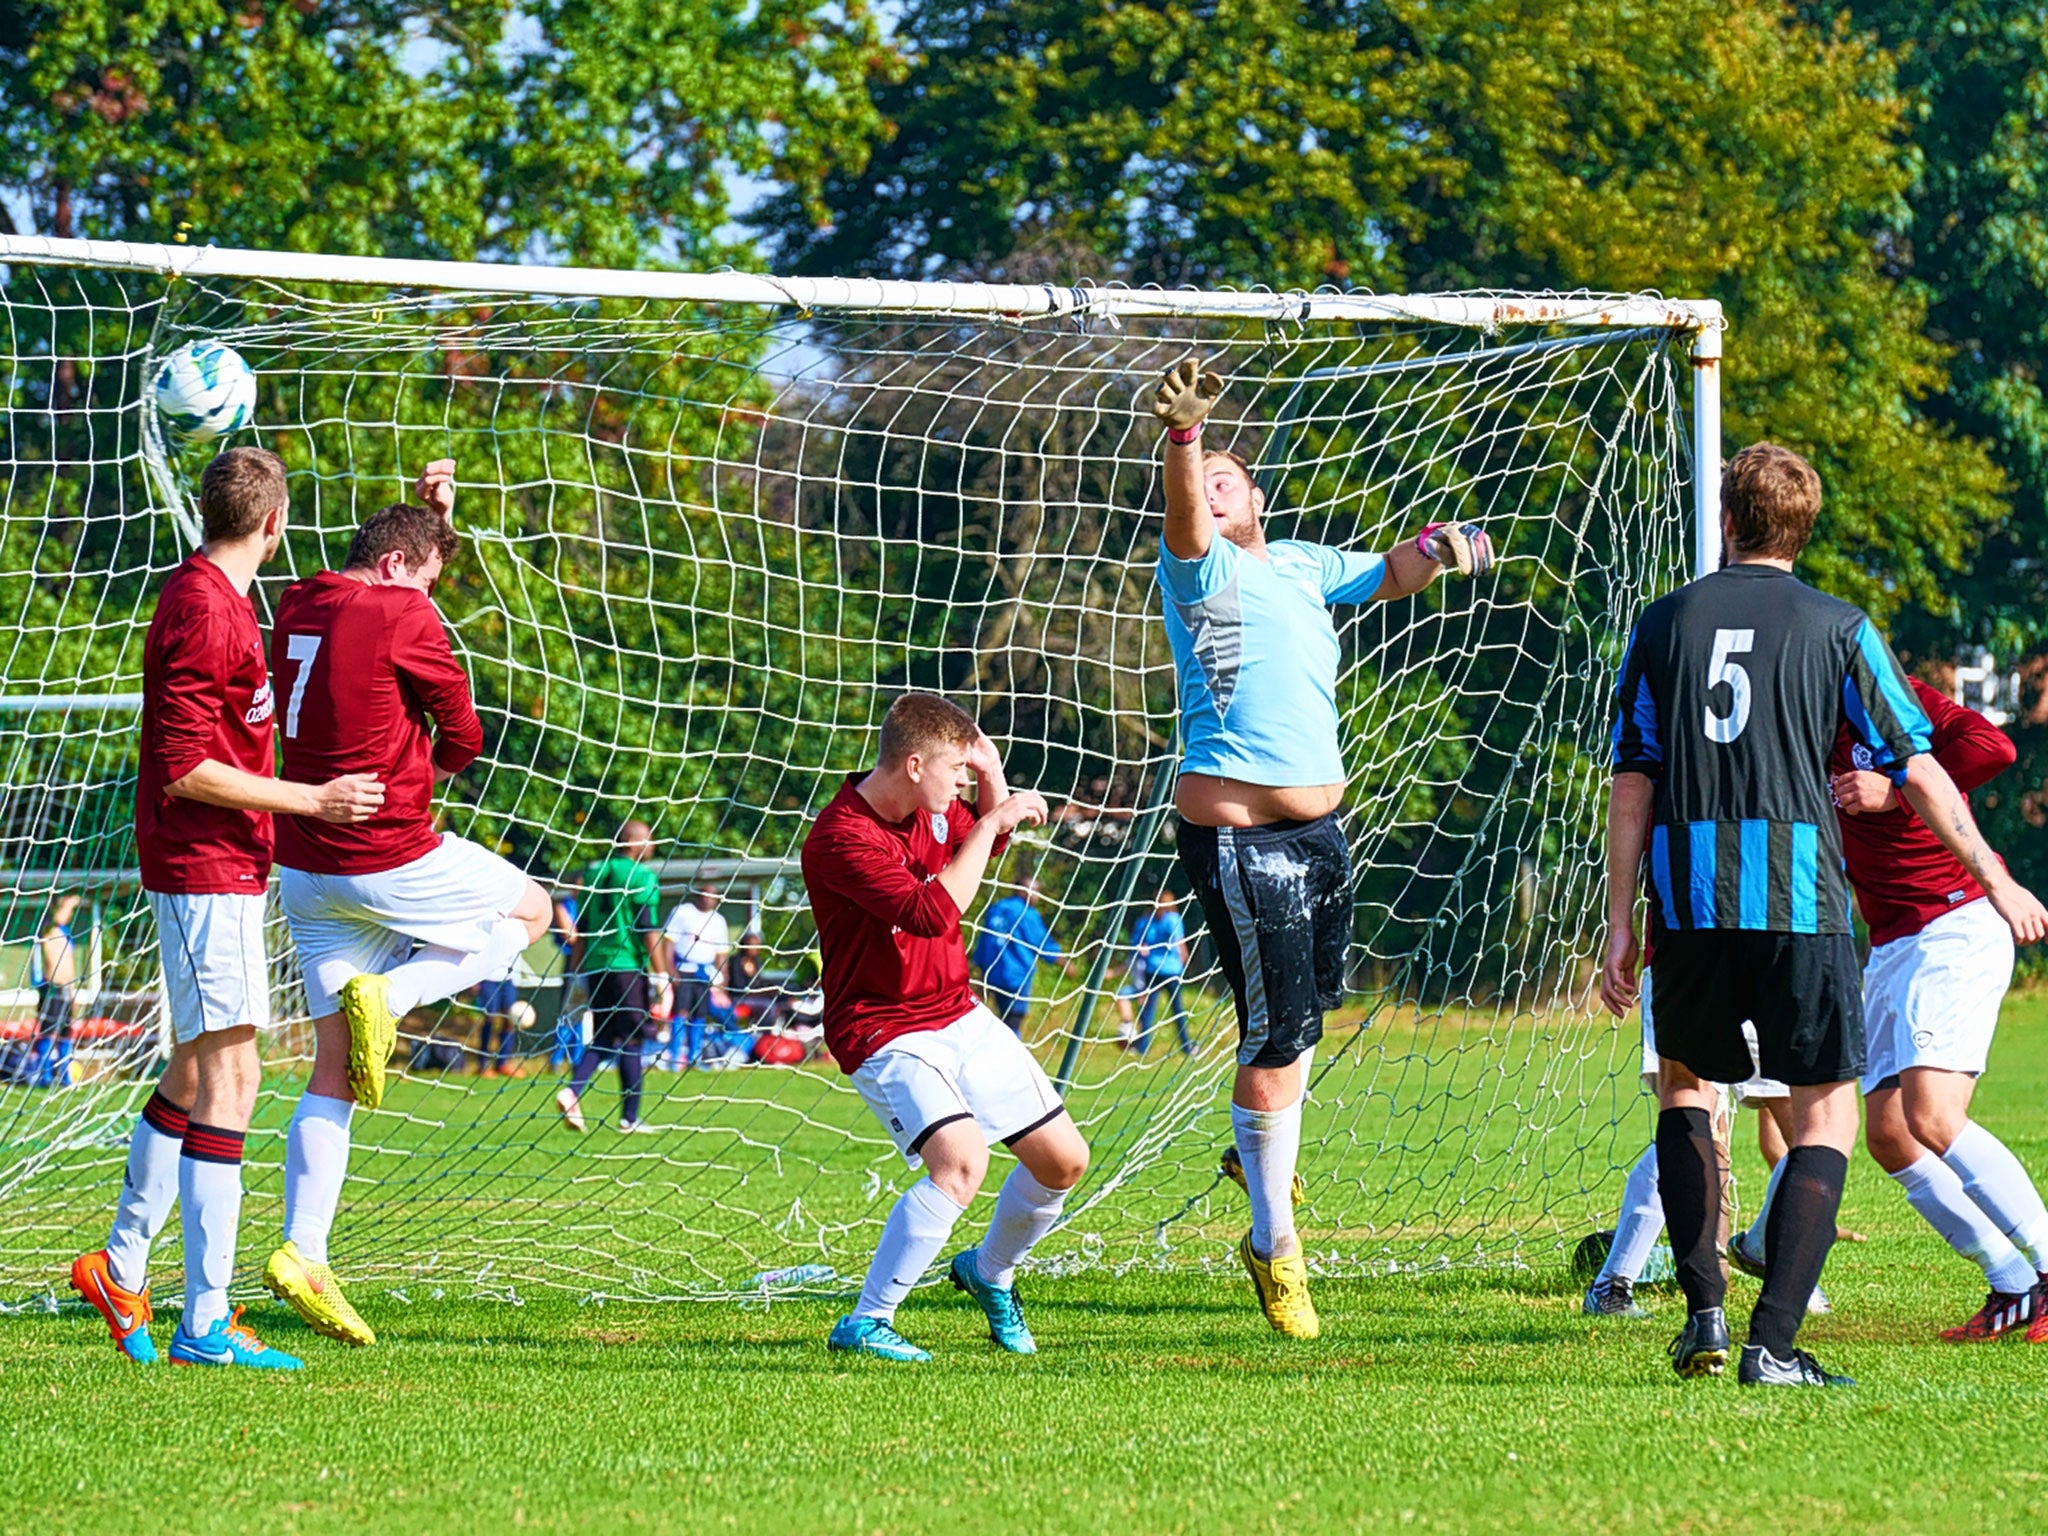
(315, 1164)
(1641, 1219)
(1025, 1212)
(435, 973)
(147, 1190)
(917, 1230)
(2002, 1190)
(1936, 1191)
(1269, 1144)
(1753, 1240)
(210, 1190)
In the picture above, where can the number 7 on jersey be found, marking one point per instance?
(303, 648)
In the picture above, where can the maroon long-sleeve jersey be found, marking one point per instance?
(361, 671)
(888, 932)
(1903, 877)
(205, 696)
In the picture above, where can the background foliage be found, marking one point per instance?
(1861, 187)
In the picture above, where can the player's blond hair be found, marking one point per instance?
(920, 723)
(240, 488)
(1770, 497)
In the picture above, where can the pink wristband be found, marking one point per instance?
(1183, 434)
(1422, 539)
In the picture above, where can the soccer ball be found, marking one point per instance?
(522, 1014)
(204, 390)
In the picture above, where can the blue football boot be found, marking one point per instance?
(229, 1342)
(872, 1336)
(1005, 1317)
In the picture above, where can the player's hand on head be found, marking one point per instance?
(1857, 791)
(351, 797)
(1465, 548)
(2022, 911)
(436, 488)
(1187, 393)
(983, 758)
(1025, 808)
(1619, 989)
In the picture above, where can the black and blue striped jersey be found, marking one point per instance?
(1731, 694)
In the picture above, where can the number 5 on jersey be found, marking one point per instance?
(303, 648)
(1720, 728)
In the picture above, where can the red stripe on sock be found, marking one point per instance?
(164, 1117)
(211, 1144)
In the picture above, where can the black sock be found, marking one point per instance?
(1797, 1238)
(631, 1070)
(1689, 1178)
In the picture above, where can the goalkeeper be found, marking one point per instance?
(1256, 655)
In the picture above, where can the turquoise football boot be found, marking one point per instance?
(230, 1342)
(872, 1336)
(1005, 1316)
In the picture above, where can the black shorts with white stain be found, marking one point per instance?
(1278, 902)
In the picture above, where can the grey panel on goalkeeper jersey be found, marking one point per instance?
(1215, 626)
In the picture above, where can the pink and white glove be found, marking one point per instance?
(1462, 547)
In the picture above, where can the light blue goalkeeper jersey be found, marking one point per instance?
(1256, 656)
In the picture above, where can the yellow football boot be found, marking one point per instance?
(312, 1291)
(372, 1031)
(1233, 1170)
(1282, 1285)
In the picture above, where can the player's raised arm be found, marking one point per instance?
(1186, 394)
(962, 877)
(1411, 565)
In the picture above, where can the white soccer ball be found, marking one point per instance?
(522, 1014)
(204, 390)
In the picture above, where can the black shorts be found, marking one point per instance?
(1803, 992)
(1278, 901)
(53, 1012)
(618, 1008)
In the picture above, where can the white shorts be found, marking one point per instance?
(974, 1069)
(1758, 1086)
(215, 972)
(345, 925)
(1931, 999)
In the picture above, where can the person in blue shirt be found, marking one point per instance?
(1159, 959)
(1255, 660)
(53, 972)
(1014, 942)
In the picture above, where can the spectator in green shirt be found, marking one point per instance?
(617, 944)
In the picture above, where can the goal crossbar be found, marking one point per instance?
(1486, 311)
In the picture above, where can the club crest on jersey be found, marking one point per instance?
(941, 827)
(261, 706)
(1859, 754)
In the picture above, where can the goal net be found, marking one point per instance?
(712, 526)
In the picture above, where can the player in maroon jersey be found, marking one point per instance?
(386, 914)
(891, 866)
(1940, 962)
(204, 796)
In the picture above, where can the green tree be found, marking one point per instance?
(1975, 76)
(1691, 147)
(570, 131)
(479, 129)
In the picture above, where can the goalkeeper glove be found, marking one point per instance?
(1185, 395)
(1461, 547)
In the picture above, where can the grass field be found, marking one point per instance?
(1460, 1402)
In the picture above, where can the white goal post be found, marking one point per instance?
(713, 521)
